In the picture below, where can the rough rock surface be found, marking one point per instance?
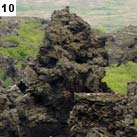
(103, 115)
(132, 88)
(121, 46)
(71, 62)
(71, 54)
(9, 119)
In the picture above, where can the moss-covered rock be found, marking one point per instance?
(19, 39)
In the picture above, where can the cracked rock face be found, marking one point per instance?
(103, 115)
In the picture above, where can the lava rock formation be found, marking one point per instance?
(121, 46)
(61, 93)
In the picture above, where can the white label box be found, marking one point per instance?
(7, 8)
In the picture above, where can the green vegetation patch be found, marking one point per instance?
(8, 81)
(135, 121)
(27, 42)
(117, 77)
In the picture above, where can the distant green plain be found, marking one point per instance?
(107, 15)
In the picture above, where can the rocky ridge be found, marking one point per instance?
(121, 45)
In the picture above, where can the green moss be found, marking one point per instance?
(8, 82)
(27, 42)
(135, 121)
(12, 38)
(117, 77)
(2, 72)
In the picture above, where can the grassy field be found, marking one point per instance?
(105, 14)
(117, 77)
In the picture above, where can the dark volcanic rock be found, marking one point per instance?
(70, 63)
(103, 115)
(132, 88)
(9, 120)
(121, 46)
(70, 60)
(70, 57)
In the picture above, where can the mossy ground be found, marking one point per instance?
(27, 40)
(117, 77)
